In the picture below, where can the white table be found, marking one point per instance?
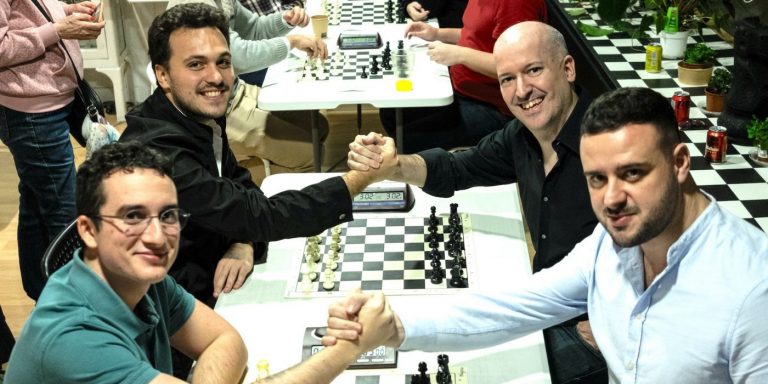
(282, 92)
(273, 326)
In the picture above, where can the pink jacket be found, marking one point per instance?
(35, 74)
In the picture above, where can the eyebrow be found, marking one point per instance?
(642, 164)
(126, 208)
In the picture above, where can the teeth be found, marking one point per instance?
(212, 93)
(532, 103)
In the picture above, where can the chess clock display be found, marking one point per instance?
(379, 357)
(359, 40)
(384, 196)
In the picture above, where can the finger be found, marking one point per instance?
(343, 329)
(229, 280)
(328, 341)
(240, 278)
(219, 278)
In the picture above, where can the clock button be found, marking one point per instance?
(342, 216)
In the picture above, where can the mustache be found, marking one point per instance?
(214, 87)
(621, 210)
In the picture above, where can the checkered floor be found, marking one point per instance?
(740, 184)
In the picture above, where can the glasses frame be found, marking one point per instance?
(128, 229)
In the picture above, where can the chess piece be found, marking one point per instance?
(443, 373)
(374, 64)
(453, 218)
(262, 367)
(437, 274)
(432, 216)
(423, 377)
(364, 75)
(400, 45)
(434, 254)
(306, 283)
(328, 283)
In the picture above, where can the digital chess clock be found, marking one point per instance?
(359, 40)
(379, 357)
(384, 196)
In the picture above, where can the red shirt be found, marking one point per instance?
(484, 21)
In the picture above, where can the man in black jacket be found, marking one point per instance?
(184, 119)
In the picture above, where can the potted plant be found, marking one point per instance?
(696, 67)
(757, 130)
(719, 84)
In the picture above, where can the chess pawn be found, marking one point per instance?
(306, 283)
(262, 367)
(328, 283)
(333, 265)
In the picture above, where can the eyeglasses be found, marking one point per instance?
(136, 221)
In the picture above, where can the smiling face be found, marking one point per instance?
(634, 184)
(131, 262)
(199, 76)
(535, 76)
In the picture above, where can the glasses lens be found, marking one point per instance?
(171, 221)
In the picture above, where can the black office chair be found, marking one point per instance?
(61, 249)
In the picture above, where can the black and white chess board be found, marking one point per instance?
(384, 254)
(349, 66)
(740, 184)
(365, 12)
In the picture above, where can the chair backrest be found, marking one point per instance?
(61, 249)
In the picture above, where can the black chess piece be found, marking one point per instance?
(374, 64)
(364, 75)
(443, 373)
(437, 274)
(400, 45)
(453, 218)
(423, 377)
(432, 216)
(434, 254)
(457, 278)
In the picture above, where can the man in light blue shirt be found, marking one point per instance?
(675, 287)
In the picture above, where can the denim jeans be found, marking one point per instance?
(45, 163)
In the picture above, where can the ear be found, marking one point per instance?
(162, 77)
(681, 158)
(87, 230)
(569, 66)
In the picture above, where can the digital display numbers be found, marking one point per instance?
(381, 196)
(359, 40)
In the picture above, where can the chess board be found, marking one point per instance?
(385, 254)
(740, 184)
(365, 12)
(348, 68)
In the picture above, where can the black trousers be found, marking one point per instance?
(6, 339)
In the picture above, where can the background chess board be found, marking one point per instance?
(740, 184)
(385, 254)
(362, 12)
(352, 66)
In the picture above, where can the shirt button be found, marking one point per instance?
(546, 199)
(639, 317)
(543, 236)
(342, 216)
(630, 366)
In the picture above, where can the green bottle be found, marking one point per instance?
(671, 25)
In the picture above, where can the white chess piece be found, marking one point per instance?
(328, 282)
(306, 283)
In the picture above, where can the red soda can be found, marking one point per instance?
(717, 144)
(681, 102)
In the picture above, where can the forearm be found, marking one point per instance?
(356, 181)
(322, 368)
(223, 361)
(479, 61)
(449, 35)
(411, 169)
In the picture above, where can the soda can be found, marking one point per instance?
(653, 57)
(681, 103)
(717, 144)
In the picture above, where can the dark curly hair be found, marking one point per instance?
(120, 156)
(189, 15)
(615, 109)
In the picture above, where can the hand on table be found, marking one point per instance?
(296, 17)
(366, 318)
(314, 47)
(445, 54)
(416, 11)
(233, 268)
(422, 30)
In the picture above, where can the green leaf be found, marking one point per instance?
(612, 10)
(591, 30)
(576, 12)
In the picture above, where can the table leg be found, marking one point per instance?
(399, 129)
(316, 145)
(359, 118)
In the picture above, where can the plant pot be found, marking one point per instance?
(673, 44)
(762, 153)
(715, 101)
(694, 74)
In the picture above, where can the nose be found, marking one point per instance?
(522, 90)
(154, 233)
(615, 197)
(213, 75)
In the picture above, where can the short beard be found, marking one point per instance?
(659, 218)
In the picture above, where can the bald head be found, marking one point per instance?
(535, 33)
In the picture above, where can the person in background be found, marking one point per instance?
(38, 86)
(478, 107)
(540, 151)
(257, 42)
(674, 284)
(447, 12)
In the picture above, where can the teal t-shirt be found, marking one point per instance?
(82, 332)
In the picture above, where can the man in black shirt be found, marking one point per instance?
(540, 151)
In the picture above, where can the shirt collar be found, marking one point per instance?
(104, 301)
(570, 135)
